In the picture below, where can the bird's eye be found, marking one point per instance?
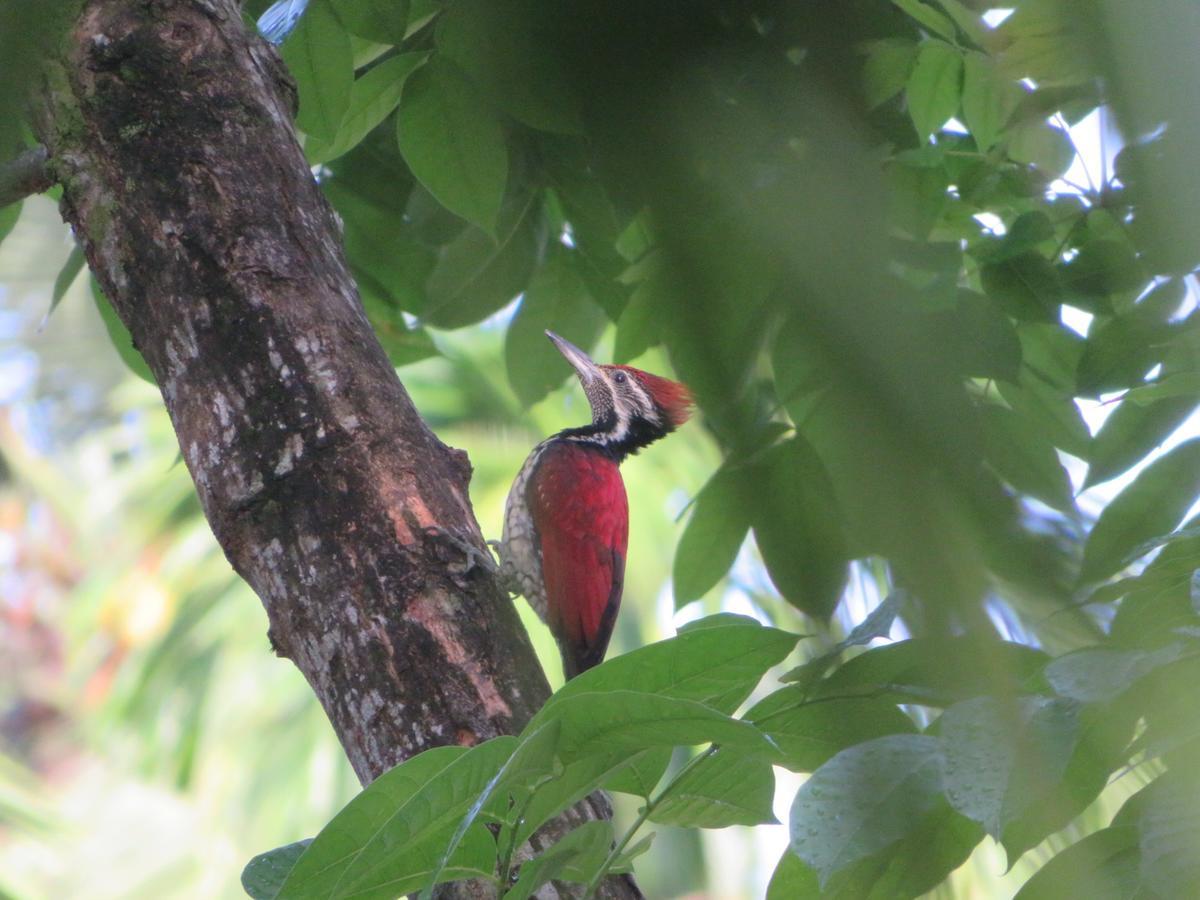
(619, 378)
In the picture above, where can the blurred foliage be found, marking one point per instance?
(862, 233)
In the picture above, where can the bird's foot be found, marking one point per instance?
(474, 556)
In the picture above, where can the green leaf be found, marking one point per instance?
(1019, 453)
(1042, 145)
(1025, 286)
(506, 49)
(1101, 268)
(864, 799)
(1004, 756)
(1130, 432)
(454, 143)
(1181, 384)
(264, 874)
(66, 277)
(886, 71)
(1118, 354)
(726, 788)
(1049, 409)
(797, 527)
(642, 774)
(416, 805)
(1102, 866)
(377, 20)
(372, 99)
(1153, 505)
(718, 666)
(934, 87)
(989, 99)
(120, 336)
(937, 672)
(793, 880)
(8, 219)
(619, 723)
(1169, 827)
(933, 20)
(1100, 674)
(809, 733)
(714, 534)
(475, 275)
(556, 299)
(319, 56)
(573, 858)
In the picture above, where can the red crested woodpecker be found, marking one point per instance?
(566, 522)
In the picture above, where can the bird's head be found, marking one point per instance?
(630, 408)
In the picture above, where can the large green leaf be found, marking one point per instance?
(319, 56)
(864, 799)
(501, 47)
(414, 806)
(121, 339)
(66, 277)
(1050, 410)
(1021, 455)
(1004, 756)
(1100, 673)
(809, 733)
(714, 534)
(372, 99)
(556, 299)
(384, 21)
(727, 788)
(620, 723)
(886, 71)
(934, 87)
(1151, 506)
(454, 143)
(718, 665)
(1169, 827)
(798, 528)
(1102, 866)
(476, 275)
(1131, 431)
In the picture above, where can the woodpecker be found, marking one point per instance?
(566, 521)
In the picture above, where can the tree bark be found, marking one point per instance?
(169, 127)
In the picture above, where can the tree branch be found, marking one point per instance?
(170, 129)
(27, 174)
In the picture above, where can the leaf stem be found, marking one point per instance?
(641, 820)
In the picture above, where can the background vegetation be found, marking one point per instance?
(945, 364)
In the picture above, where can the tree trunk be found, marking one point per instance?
(170, 129)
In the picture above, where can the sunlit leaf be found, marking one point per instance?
(934, 87)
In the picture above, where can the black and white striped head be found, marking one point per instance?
(630, 408)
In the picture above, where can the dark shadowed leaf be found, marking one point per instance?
(454, 143)
(1151, 506)
(319, 56)
(475, 275)
(375, 20)
(120, 336)
(864, 799)
(1025, 286)
(499, 45)
(1051, 410)
(798, 528)
(714, 534)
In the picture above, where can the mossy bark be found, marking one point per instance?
(170, 129)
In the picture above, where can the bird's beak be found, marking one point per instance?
(582, 363)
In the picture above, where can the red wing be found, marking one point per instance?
(581, 514)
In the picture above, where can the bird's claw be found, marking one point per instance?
(474, 556)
